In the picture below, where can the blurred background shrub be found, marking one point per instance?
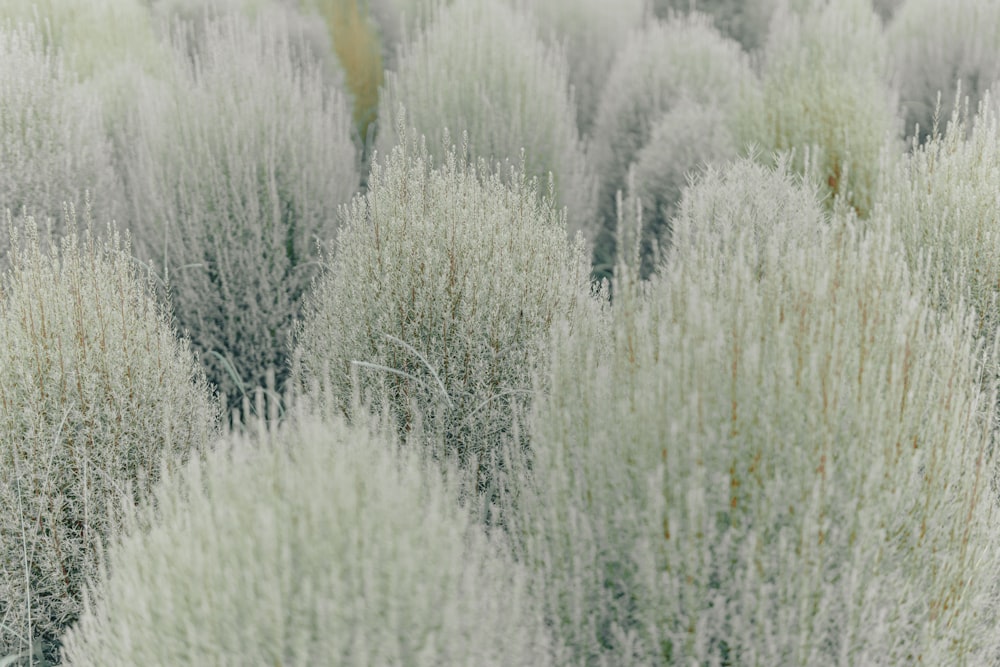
(937, 44)
(480, 70)
(236, 170)
(684, 60)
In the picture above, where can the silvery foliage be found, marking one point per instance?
(479, 74)
(938, 46)
(590, 33)
(316, 544)
(437, 299)
(238, 165)
(827, 97)
(681, 61)
(746, 21)
(52, 145)
(780, 457)
(96, 393)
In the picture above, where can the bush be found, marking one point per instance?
(437, 300)
(936, 44)
(399, 21)
(94, 36)
(309, 39)
(319, 545)
(745, 21)
(942, 202)
(480, 70)
(682, 60)
(94, 390)
(686, 139)
(52, 146)
(840, 114)
(780, 457)
(108, 44)
(237, 172)
(591, 32)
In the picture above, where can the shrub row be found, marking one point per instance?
(778, 450)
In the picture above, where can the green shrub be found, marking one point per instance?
(591, 32)
(236, 173)
(779, 459)
(480, 70)
(826, 96)
(746, 21)
(319, 545)
(684, 59)
(937, 43)
(437, 300)
(94, 390)
(52, 146)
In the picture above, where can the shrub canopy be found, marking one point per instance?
(96, 392)
(319, 545)
(437, 299)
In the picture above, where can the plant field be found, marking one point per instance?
(557, 333)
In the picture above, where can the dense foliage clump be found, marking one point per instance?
(318, 544)
(480, 75)
(827, 97)
(680, 62)
(53, 149)
(96, 394)
(781, 457)
(236, 172)
(942, 49)
(438, 298)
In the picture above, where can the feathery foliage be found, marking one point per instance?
(319, 545)
(94, 390)
(236, 173)
(942, 201)
(480, 70)
(94, 36)
(437, 300)
(934, 45)
(591, 32)
(686, 139)
(826, 96)
(682, 60)
(780, 457)
(52, 146)
(310, 42)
